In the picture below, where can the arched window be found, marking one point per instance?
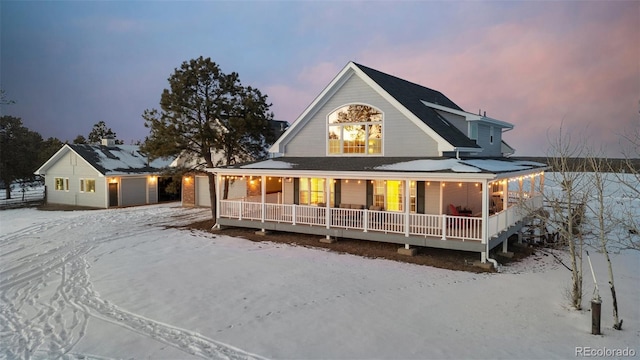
(355, 129)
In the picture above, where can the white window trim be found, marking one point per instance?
(83, 185)
(65, 183)
(342, 153)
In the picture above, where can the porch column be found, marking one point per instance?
(263, 198)
(505, 193)
(532, 192)
(521, 188)
(484, 225)
(407, 206)
(217, 179)
(327, 203)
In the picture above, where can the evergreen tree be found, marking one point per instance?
(80, 140)
(100, 131)
(19, 152)
(48, 148)
(204, 112)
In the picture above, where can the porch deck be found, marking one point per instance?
(442, 231)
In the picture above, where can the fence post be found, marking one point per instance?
(293, 214)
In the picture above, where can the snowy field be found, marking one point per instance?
(119, 283)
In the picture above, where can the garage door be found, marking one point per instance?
(134, 191)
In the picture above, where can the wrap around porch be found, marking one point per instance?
(499, 214)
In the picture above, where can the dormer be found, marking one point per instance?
(484, 130)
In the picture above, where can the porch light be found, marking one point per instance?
(428, 183)
(443, 184)
(269, 177)
(113, 180)
(346, 181)
(279, 180)
(459, 184)
(358, 181)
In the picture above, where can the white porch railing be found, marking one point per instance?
(511, 215)
(442, 226)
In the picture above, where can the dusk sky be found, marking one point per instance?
(537, 64)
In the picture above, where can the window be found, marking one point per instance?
(88, 185)
(62, 184)
(312, 191)
(355, 129)
(390, 195)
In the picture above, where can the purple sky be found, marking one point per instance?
(536, 64)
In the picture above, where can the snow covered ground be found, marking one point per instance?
(119, 283)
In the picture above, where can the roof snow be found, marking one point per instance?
(119, 159)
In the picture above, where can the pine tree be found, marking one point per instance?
(19, 152)
(204, 112)
(100, 131)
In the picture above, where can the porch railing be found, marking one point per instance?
(443, 226)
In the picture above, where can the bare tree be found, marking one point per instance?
(567, 204)
(629, 179)
(602, 210)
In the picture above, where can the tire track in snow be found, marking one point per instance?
(28, 322)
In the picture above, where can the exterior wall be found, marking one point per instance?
(458, 121)
(287, 189)
(401, 137)
(432, 197)
(133, 191)
(72, 167)
(484, 137)
(353, 193)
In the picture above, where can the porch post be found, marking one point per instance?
(533, 186)
(263, 191)
(217, 180)
(327, 203)
(484, 226)
(407, 206)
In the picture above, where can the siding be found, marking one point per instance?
(74, 168)
(458, 121)
(401, 137)
(484, 134)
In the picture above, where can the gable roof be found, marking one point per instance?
(408, 97)
(412, 95)
(110, 160)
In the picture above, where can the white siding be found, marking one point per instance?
(73, 168)
(401, 137)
